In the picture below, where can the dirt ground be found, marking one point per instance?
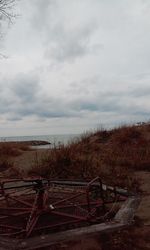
(136, 237)
(28, 159)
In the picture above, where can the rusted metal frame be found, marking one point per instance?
(93, 211)
(3, 217)
(100, 186)
(63, 197)
(15, 193)
(62, 182)
(108, 198)
(3, 193)
(88, 200)
(39, 200)
(20, 201)
(81, 218)
(45, 198)
(88, 190)
(17, 186)
(21, 213)
(18, 214)
(84, 184)
(13, 234)
(37, 210)
(15, 214)
(68, 199)
(39, 207)
(33, 212)
(53, 192)
(15, 208)
(80, 204)
(28, 180)
(9, 226)
(34, 217)
(5, 181)
(18, 230)
(31, 225)
(42, 197)
(112, 201)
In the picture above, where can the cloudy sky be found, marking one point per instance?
(73, 65)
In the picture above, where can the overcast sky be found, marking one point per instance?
(72, 65)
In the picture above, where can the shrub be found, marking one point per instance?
(5, 164)
(12, 148)
(113, 155)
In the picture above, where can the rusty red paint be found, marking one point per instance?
(28, 206)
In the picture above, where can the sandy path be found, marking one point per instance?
(28, 159)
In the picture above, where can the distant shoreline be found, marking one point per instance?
(27, 143)
(42, 140)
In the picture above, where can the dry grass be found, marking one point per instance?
(12, 148)
(114, 155)
(8, 150)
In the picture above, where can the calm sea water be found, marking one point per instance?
(53, 139)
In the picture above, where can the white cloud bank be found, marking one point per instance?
(73, 65)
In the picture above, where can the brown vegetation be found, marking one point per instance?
(114, 155)
(9, 150)
(13, 148)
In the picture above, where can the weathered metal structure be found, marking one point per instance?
(37, 207)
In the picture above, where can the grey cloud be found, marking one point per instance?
(26, 100)
(101, 103)
(68, 46)
(25, 87)
(108, 43)
(133, 100)
(141, 91)
(64, 39)
(42, 12)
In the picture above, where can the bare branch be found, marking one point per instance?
(2, 56)
(6, 9)
(6, 14)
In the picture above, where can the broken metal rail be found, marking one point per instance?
(33, 207)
